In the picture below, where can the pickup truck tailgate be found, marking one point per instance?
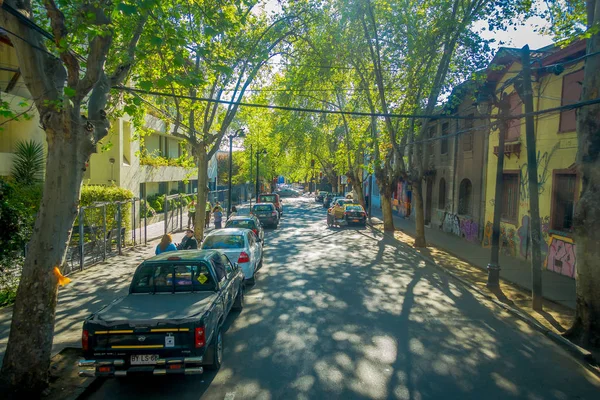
(149, 321)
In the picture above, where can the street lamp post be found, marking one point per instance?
(238, 133)
(258, 154)
(483, 107)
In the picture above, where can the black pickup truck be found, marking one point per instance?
(170, 322)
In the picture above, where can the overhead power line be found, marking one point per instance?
(359, 113)
(307, 110)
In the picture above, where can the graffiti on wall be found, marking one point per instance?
(469, 229)
(523, 233)
(561, 257)
(459, 226)
(508, 241)
(544, 172)
(451, 224)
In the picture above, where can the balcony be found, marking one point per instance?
(510, 149)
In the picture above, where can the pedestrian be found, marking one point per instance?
(188, 242)
(166, 244)
(208, 208)
(233, 212)
(191, 214)
(218, 216)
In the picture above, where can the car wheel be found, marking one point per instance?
(216, 349)
(238, 304)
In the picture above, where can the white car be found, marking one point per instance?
(240, 245)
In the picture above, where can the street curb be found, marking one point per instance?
(587, 358)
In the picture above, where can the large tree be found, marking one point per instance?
(228, 45)
(69, 74)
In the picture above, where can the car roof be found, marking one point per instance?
(263, 204)
(228, 232)
(196, 255)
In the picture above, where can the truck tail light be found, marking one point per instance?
(85, 340)
(199, 337)
(244, 257)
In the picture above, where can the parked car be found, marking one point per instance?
(243, 210)
(247, 222)
(320, 196)
(266, 213)
(240, 245)
(286, 192)
(355, 214)
(177, 332)
(272, 198)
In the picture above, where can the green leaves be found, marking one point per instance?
(28, 163)
(69, 92)
(127, 9)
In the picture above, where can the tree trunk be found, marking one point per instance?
(419, 214)
(202, 160)
(586, 328)
(27, 358)
(386, 209)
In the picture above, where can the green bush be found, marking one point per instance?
(18, 208)
(146, 210)
(91, 194)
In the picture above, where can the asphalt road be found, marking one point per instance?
(346, 314)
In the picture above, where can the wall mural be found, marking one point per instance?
(451, 224)
(558, 253)
(561, 257)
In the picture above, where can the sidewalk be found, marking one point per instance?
(555, 287)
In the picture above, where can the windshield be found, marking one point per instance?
(223, 242)
(263, 207)
(267, 199)
(243, 211)
(242, 223)
(168, 277)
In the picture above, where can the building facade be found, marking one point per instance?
(556, 148)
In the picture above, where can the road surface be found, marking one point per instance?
(347, 314)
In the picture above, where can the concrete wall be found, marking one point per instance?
(555, 152)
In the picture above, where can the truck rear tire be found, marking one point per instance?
(216, 349)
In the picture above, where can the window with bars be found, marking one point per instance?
(563, 201)
(467, 137)
(510, 197)
(444, 144)
(465, 194)
(442, 195)
(571, 93)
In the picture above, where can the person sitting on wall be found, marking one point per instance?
(166, 244)
(188, 242)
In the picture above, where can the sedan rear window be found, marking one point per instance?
(241, 223)
(354, 208)
(223, 242)
(169, 278)
(267, 199)
(263, 207)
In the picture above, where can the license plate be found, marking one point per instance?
(144, 359)
(354, 220)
